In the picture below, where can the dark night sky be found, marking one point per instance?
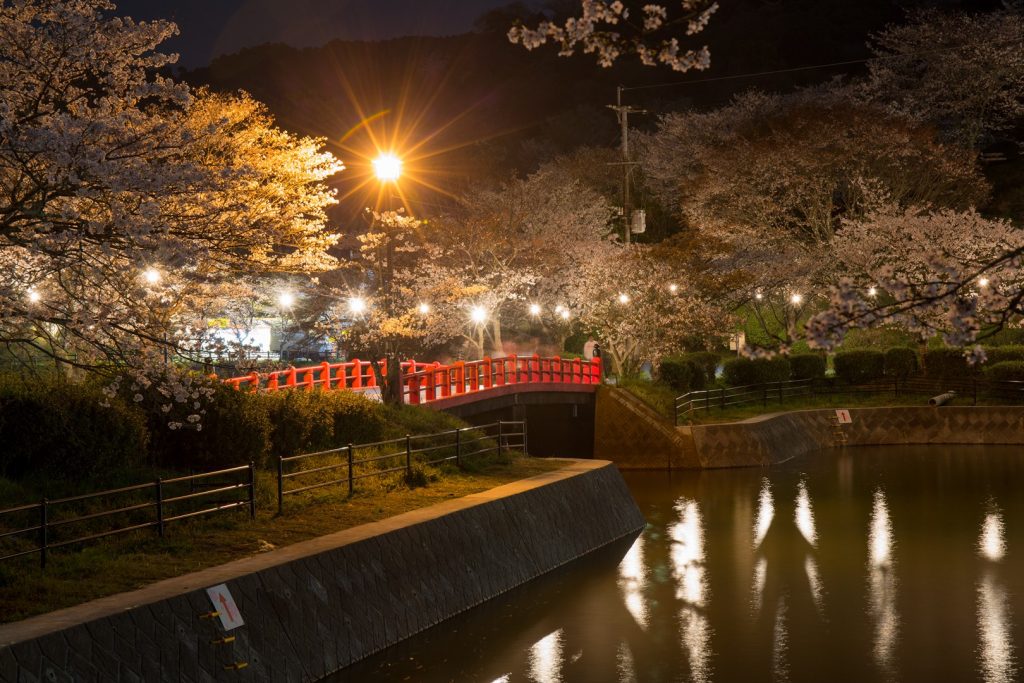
(213, 27)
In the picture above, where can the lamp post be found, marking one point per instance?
(388, 169)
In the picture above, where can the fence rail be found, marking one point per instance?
(426, 382)
(141, 506)
(423, 449)
(39, 528)
(777, 392)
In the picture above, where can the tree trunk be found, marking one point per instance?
(498, 347)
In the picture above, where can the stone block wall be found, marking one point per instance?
(317, 606)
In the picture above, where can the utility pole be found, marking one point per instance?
(622, 112)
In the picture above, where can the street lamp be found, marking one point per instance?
(357, 305)
(151, 275)
(387, 167)
(623, 298)
(673, 288)
(424, 308)
(478, 315)
(872, 292)
(983, 282)
(564, 313)
(34, 296)
(286, 299)
(534, 310)
(796, 299)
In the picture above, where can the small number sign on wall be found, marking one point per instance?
(843, 417)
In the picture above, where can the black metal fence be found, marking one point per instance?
(39, 528)
(56, 523)
(778, 392)
(343, 467)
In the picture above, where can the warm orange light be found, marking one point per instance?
(387, 167)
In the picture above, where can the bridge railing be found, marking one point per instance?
(425, 382)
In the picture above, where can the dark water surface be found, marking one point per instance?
(869, 564)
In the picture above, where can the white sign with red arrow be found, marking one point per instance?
(225, 606)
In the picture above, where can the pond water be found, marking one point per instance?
(864, 564)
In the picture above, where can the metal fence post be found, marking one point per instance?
(408, 456)
(499, 437)
(252, 490)
(458, 446)
(43, 535)
(721, 399)
(780, 392)
(160, 506)
(280, 484)
(351, 479)
(526, 448)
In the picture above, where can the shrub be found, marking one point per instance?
(807, 365)
(234, 430)
(681, 373)
(308, 421)
(900, 362)
(61, 430)
(743, 371)
(999, 354)
(708, 362)
(1008, 370)
(945, 363)
(858, 367)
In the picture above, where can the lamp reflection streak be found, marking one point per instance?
(627, 670)
(814, 581)
(687, 558)
(804, 515)
(632, 581)
(882, 584)
(995, 629)
(780, 644)
(546, 658)
(765, 512)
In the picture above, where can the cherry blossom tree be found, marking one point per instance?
(638, 306)
(963, 72)
(935, 271)
(129, 204)
(398, 301)
(517, 242)
(764, 184)
(611, 29)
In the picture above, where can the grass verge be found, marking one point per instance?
(137, 559)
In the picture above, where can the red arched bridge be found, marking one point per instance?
(425, 383)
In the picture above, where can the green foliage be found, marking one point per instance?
(234, 430)
(900, 362)
(808, 365)
(1006, 337)
(744, 371)
(877, 338)
(946, 363)
(1006, 371)
(858, 367)
(708, 361)
(999, 354)
(681, 373)
(307, 421)
(61, 430)
(658, 395)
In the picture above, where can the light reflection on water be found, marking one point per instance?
(687, 557)
(632, 580)
(996, 652)
(882, 585)
(887, 572)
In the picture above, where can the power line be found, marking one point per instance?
(812, 67)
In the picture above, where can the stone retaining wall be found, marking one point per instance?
(633, 436)
(774, 438)
(317, 606)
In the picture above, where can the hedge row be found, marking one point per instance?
(63, 430)
(691, 371)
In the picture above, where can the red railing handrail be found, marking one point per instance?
(425, 382)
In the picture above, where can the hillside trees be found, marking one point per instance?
(962, 72)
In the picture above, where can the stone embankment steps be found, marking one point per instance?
(317, 606)
(634, 436)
